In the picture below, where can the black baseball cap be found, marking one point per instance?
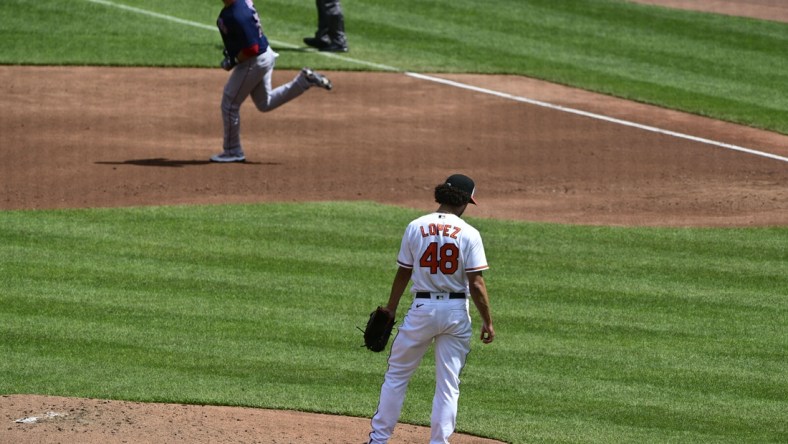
(464, 183)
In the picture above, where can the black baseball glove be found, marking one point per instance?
(228, 62)
(378, 330)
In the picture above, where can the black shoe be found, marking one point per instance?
(316, 42)
(334, 47)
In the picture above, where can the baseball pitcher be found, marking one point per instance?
(445, 258)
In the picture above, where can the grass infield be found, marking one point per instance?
(605, 334)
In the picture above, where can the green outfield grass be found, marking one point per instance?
(605, 334)
(729, 68)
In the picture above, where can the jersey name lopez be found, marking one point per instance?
(440, 248)
(440, 230)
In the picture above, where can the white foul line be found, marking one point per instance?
(469, 87)
(596, 116)
(154, 14)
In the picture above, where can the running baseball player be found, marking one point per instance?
(444, 257)
(251, 60)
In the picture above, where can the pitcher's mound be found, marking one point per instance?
(34, 419)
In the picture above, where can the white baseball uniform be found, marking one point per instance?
(439, 248)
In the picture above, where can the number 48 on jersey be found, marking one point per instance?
(440, 258)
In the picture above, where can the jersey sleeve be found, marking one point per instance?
(475, 259)
(242, 31)
(405, 255)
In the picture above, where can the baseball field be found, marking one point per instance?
(632, 168)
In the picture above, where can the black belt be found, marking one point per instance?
(428, 295)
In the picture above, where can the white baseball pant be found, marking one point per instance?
(447, 323)
(253, 77)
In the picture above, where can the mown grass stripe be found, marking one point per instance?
(605, 334)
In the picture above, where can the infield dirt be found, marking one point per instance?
(103, 137)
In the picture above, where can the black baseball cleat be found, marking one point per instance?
(334, 47)
(316, 42)
(316, 79)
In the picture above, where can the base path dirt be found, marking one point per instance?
(774, 10)
(105, 137)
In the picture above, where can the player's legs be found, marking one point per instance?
(335, 20)
(267, 99)
(322, 25)
(243, 79)
(409, 346)
(321, 39)
(451, 349)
